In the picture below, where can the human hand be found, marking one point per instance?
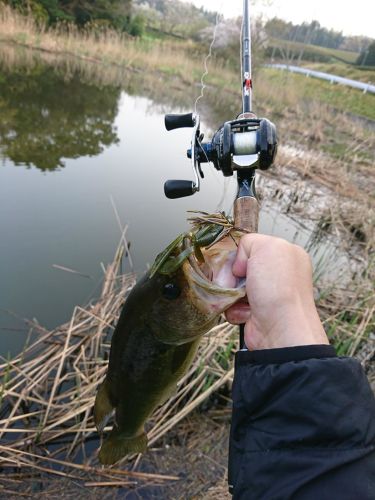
(280, 311)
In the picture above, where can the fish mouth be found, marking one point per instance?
(214, 287)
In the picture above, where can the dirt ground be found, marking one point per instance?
(195, 451)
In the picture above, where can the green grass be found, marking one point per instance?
(343, 333)
(365, 75)
(154, 34)
(321, 52)
(339, 97)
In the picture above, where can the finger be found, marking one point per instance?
(243, 254)
(238, 314)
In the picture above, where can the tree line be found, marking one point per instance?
(315, 34)
(169, 16)
(180, 19)
(114, 13)
(174, 17)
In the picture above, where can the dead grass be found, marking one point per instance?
(106, 46)
(48, 393)
(333, 199)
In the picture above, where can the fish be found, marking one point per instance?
(159, 330)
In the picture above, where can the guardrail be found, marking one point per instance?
(365, 87)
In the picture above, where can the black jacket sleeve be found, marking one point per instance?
(303, 427)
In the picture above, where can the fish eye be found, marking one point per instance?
(171, 291)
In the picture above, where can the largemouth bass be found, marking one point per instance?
(157, 336)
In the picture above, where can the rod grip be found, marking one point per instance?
(173, 122)
(175, 189)
(246, 213)
(246, 216)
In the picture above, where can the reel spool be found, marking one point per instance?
(238, 145)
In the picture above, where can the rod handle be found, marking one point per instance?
(246, 213)
(246, 216)
(175, 189)
(173, 122)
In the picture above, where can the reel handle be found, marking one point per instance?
(175, 189)
(267, 144)
(173, 122)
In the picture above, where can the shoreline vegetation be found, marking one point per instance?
(324, 174)
(104, 45)
(176, 59)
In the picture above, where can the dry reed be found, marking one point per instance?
(105, 45)
(48, 392)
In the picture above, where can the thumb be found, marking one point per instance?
(244, 251)
(243, 254)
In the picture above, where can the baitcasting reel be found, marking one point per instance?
(242, 144)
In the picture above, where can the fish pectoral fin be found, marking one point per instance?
(103, 407)
(117, 446)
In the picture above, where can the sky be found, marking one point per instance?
(352, 18)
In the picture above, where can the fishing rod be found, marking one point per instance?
(239, 146)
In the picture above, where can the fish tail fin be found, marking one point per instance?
(118, 446)
(103, 407)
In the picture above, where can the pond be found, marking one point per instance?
(75, 142)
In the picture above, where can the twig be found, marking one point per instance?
(72, 271)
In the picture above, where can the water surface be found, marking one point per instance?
(69, 144)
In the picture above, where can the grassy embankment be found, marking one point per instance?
(337, 96)
(311, 51)
(365, 75)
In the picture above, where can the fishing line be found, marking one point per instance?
(206, 70)
(207, 58)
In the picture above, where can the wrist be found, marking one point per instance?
(300, 327)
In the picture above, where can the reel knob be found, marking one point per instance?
(173, 122)
(175, 189)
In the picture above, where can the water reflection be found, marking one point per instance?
(163, 93)
(112, 144)
(46, 119)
